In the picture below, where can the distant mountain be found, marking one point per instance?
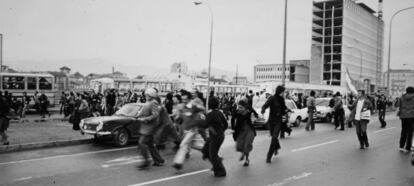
(86, 66)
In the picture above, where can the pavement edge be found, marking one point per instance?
(32, 146)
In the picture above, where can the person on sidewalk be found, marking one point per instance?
(189, 112)
(361, 115)
(382, 106)
(406, 114)
(310, 103)
(149, 117)
(339, 112)
(4, 120)
(216, 124)
(25, 104)
(278, 108)
(244, 131)
(43, 103)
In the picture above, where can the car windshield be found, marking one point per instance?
(322, 102)
(129, 110)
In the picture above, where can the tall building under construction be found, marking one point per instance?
(346, 35)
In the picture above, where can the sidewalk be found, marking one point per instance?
(33, 134)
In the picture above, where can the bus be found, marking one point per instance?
(17, 83)
(222, 89)
(304, 88)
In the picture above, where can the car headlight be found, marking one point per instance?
(100, 126)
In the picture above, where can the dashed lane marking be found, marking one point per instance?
(291, 179)
(382, 130)
(314, 146)
(24, 178)
(64, 156)
(171, 178)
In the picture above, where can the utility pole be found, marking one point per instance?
(284, 46)
(1, 52)
(237, 73)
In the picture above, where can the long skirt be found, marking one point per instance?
(244, 142)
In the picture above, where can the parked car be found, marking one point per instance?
(326, 113)
(120, 127)
(295, 116)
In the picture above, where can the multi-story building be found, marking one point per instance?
(299, 71)
(180, 68)
(399, 80)
(270, 72)
(346, 35)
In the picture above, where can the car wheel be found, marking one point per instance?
(121, 137)
(298, 121)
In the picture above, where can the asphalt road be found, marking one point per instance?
(321, 157)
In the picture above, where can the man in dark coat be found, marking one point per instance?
(406, 114)
(278, 108)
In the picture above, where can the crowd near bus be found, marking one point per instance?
(186, 112)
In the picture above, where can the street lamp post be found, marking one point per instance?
(284, 46)
(389, 47)
(1, 52)
(211, 48)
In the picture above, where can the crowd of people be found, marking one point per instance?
(185, 117)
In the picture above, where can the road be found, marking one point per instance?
(322, 157)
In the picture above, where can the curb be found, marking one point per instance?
(32, 146)
(37, 120)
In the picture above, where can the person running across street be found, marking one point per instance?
(278, 108)
(149, 121)
(217, 124)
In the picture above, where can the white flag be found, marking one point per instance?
(349, 84)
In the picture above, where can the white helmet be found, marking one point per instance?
(151, 92)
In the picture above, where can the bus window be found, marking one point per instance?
(31, 83)
(13, 82)
(45, 83)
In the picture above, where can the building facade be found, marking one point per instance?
(399, 80)
(270, 72)
(299, 71)
(346, 35)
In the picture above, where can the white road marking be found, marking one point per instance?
(64, 156)
(382, 130)
(170, 178)
(291, 179)
(123, 161)
(24, 178)
(313, 146)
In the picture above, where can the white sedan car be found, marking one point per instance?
(296, 116)
(325, 113)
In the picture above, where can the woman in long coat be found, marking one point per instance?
(244, 132)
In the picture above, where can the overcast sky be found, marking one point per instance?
(160, 32)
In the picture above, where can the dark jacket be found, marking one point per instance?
(407, 106)
(277, 107)
(240, 120)
(149, 114)
(4, 107)
(216, 122)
